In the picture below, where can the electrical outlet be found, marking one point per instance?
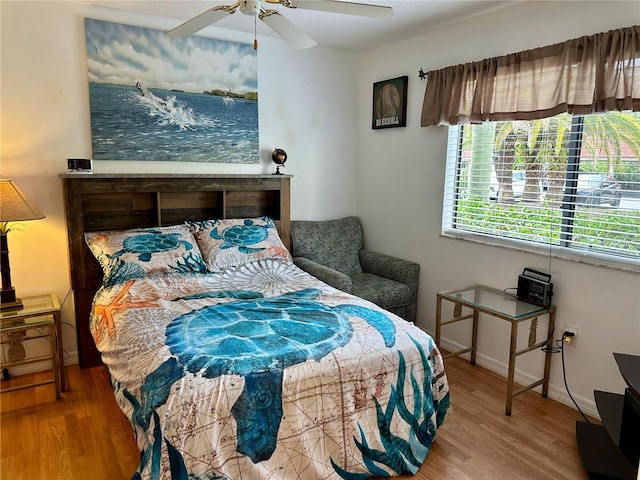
(570, 340)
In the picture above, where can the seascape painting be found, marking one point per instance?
(160, 98)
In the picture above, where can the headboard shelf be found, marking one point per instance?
(100, 202)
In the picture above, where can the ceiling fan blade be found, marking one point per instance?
(346, 8)
(287, 30)
(203, 20)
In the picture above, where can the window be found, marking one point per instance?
(569, 184)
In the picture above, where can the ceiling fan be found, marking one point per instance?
(278, 23)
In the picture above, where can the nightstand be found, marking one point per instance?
(38, 312)
(493, 302)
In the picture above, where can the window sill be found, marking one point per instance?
(580, 256)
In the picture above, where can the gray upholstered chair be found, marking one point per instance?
(332, 251)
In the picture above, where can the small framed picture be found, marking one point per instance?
(390, 103)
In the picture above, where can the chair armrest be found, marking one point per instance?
(327, 275)
(393, 268)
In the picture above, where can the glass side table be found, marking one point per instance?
(496, 303)
(42, 312)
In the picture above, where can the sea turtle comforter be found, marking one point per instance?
(263, 372)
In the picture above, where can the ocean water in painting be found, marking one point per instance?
(136, 123)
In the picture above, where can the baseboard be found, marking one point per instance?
(557, 393)
(71, 358)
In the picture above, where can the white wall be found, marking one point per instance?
(400, 187)
(307, 105)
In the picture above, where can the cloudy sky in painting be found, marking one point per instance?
(124, 55)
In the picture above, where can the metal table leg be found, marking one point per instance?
(512, 367)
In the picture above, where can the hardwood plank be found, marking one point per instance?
(85, 435)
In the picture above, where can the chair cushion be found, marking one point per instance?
(383, 292)
(333, 243)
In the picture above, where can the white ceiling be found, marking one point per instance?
(411, 18)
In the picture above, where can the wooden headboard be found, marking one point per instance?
(98, 202)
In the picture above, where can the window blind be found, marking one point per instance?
(566, 184)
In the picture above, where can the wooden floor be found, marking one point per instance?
(84, 436)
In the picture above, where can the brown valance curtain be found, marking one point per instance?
(597, 73)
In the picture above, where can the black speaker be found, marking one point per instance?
(80, 165)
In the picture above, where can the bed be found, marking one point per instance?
(228, 360)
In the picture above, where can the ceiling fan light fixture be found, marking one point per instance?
(278, 23)
(250, 7)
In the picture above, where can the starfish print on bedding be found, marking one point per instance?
(276, 251)
(104, 313)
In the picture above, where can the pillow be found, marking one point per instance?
(141, 252)
(232, 242)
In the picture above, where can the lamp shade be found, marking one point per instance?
(15, 206)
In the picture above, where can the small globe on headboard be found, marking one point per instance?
(279, 156)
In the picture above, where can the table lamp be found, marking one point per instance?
(14, 207)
